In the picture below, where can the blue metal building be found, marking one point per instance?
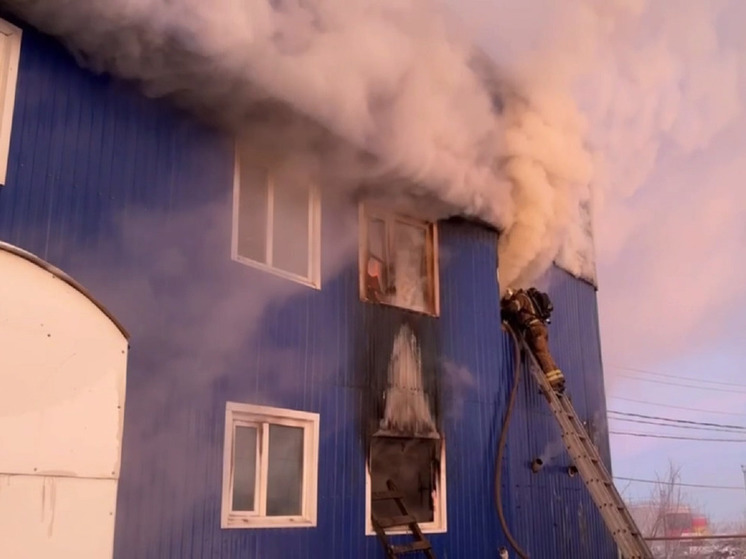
(134, 199)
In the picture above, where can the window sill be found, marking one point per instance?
(248, 522)
(314, 283)
(425, 312)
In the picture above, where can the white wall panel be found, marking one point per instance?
(62, 372)
(56, 517)
(62, 385)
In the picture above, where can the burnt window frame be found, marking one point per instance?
(439, 525)
(369, 212)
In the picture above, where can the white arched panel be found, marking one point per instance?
(62, 371)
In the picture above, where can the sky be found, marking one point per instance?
(671, 286)
(663, 94)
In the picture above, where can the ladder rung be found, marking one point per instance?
(390, 522)
(385, 495)
(410, 547)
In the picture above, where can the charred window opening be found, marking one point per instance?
(397, 261)
(413, 465)
(404, 444)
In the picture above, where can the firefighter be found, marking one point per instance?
(529, 312)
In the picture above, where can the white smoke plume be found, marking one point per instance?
(395, 78)
(398, 79)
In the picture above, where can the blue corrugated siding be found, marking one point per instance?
(551, 502)
(475, 388)
(133, 198)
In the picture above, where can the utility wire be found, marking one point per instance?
(674, 420)
(673, 425)
(701, 486)
(710, 388)
(654, 436)
(685, 408)
(678, 377)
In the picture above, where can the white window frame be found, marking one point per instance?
(10, 35)
(237, 414)
(439, 525)
(313, 276)
(367, 212)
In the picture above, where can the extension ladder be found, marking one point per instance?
(381, 524)
(591, 468)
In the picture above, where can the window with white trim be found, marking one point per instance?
(398, 261)
(276, 219)
(270, 467)
(10, 52)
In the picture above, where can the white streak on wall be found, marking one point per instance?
(56, 517)
(406, 409)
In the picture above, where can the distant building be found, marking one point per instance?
(205, 353)
(658, 520)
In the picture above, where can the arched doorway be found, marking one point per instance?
(63, 362)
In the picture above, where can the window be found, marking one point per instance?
(417, 467)
(270, 466)
(398, 258)
(10, 51)
(276, 220)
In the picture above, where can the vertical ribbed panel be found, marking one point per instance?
(132, 198)
(554, 515)
(474, 387)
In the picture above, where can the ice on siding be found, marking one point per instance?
(406, 410)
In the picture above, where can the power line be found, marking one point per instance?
(689, 422)
(698, 485)
(711, 389)
(678, 377)
(653, 436)
(718, 412)
(675, 426)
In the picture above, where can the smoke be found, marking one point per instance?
(399, 80)
(557, 136)
(205, 326)
(552, 450)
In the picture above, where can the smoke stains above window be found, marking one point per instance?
(398, 258)
(270, 467)
(276, 219)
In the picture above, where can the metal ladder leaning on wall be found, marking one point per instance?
(591, 468)
(381, 524)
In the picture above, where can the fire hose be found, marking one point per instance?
(501, 449)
